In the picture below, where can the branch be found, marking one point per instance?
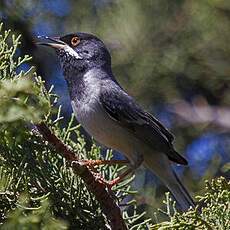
(93, 181)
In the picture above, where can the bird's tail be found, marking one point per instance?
(181, 194)
(161, 166)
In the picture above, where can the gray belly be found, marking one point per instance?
(104, 129)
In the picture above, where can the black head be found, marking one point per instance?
(80, 52)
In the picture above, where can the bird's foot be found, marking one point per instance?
(118, 179)
(109, 184)
(104, 182)
(103, 162)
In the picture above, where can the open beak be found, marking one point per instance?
(55, 42)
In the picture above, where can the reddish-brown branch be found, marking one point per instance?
(93, 181)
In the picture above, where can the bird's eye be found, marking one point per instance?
(75, 41)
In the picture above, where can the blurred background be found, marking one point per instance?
(172, 56)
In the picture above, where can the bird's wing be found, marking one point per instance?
(123, 109)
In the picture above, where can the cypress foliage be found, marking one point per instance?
(213, 211)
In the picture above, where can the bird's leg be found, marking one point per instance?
(110, 184)
(120, 178)
(92, 163)
(133, 167)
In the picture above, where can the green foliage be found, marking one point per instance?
(34, 219)
(8, 66)
(19, 96)
(38, 189)
(214, 214)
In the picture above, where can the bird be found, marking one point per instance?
(111, 116)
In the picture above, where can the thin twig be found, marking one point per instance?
(93, 181)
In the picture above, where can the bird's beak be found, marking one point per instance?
(55, 42)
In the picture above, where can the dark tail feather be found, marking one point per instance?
(161, 166)
(181, 195)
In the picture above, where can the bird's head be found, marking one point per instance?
(79, 52)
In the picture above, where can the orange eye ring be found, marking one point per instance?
(75, 41)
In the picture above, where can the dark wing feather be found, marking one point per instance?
(164, 130)
(122, 108)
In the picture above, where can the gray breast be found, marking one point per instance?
(105, 130)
